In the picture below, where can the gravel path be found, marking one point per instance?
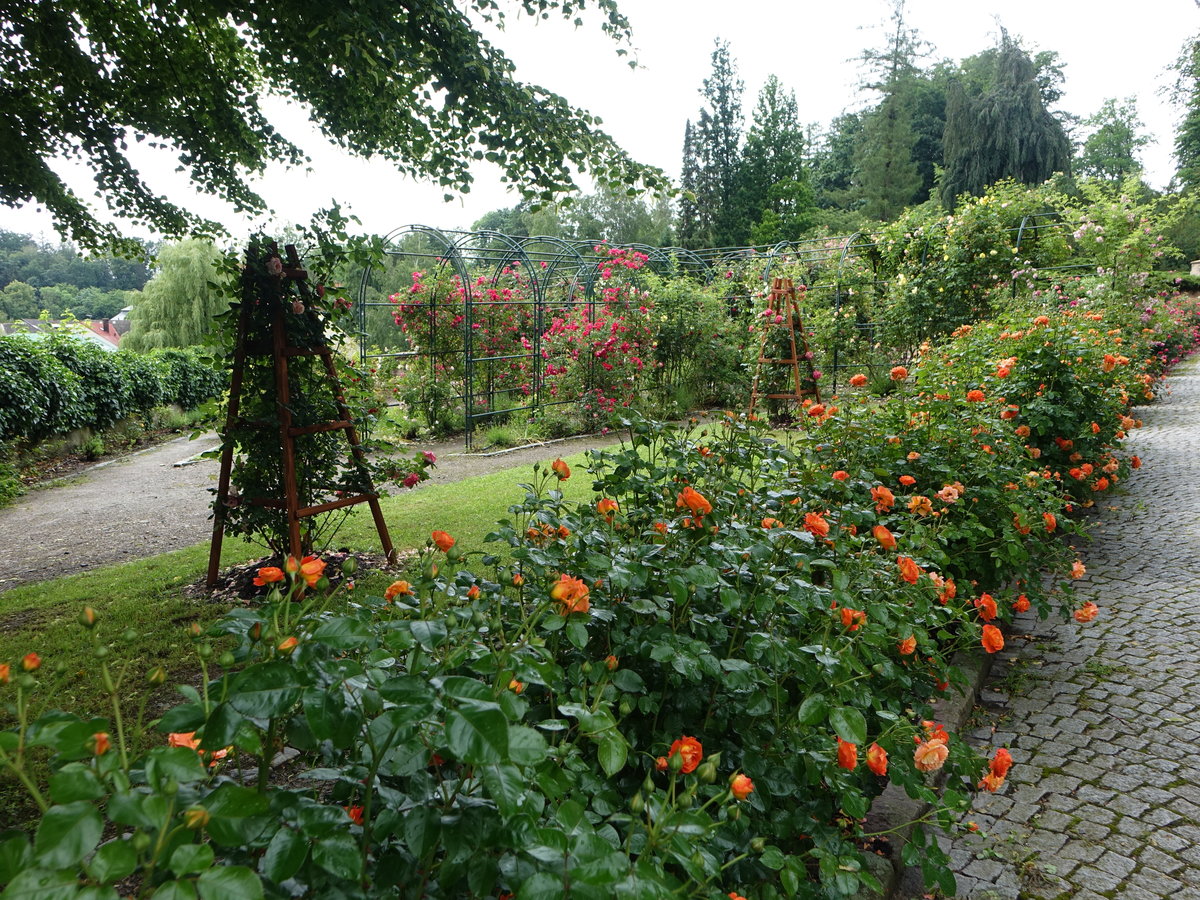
(1103, 719)
(144, 504)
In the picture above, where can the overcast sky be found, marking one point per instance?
(812, 47)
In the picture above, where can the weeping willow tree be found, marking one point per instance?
(177, 306)
(999, 127)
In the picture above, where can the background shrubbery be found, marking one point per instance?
(54, 386)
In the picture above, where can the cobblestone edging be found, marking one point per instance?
(1103, 719)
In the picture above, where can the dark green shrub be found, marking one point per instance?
(39, 396)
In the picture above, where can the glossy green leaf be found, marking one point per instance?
(343, 633)
(175, 890)
(284, 856)
(265, 690)
(228, 882)
(612, 751)
(189, 859)
(182, 764)
(16, 854)
(114, 861)
(477, 733)
(67, 834)
(42, 884)
(339, 855)
(849, 724)
(75, 781)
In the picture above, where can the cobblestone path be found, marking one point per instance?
(1103, 719)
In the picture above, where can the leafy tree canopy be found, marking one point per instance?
(414, 83)
(1110, 150)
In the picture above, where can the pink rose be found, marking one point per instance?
(412, 480)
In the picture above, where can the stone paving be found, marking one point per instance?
(1103, 719)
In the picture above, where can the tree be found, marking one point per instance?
(774, 193)
(998, 126)
(615, 216)
(1186, 95)
(18, 300)
(1110, 151)
(413, 83)
(716, 143)
(177, 307)
(689, 211)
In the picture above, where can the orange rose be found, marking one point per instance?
(986, 605)
(311, 570)
(815, 523)
(853, 619)
(858, 380)
(1135, 462)
(660, 764)
(877, 759)
(689, 750)
(572, 593)
(907, 480)
(847, 754)
(516, 686)
(920, 505)
(907, 646)
(560, 469)
(816, 410)
(741, 787)
(975, 396)
(992, 640)
(909, 570)
(769, 523)
(898, 373)
(991, 782)
(610, 662)
(1002, 762)
(1050, 520)
(5, 673)
(693, 500)
(442, 540)
(355, 813)
(930, 755)
(1021, 604)
(1078, 569)
(1087, 612)
(1023, 431)
(886, 539)
(473, 592)
(268, 575)
(100, 743)
(399, 588)
(606, 507)
(30, 662)
(287, 645)
(884, 499)
(841, 475)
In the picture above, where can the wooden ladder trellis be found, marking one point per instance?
(783, 300)
(281, 352)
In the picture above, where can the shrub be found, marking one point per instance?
(39, 396)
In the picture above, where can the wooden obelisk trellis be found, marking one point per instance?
(281, 352)
(784, 302)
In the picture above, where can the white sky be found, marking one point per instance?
(1109, 51)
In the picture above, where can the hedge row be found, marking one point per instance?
(53, 386)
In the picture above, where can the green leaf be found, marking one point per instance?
(477, 733)
(506, 786)
(421, 828)
(339, 855)
(577, 634)
(429, 633)
(526, 747)
(114, 861)
(142, 810)
(542, 886)
(849, 724)
(628, 681)
(42, 884)
(343, 633)
(75, 781)
(175, 890)
(813, 710)
(188, 859)
(183, 718)
(221, 729)
(330, 718)
(228, 882)
(234, 801)
(285, 854)
(772, 858)
(15, 854)
(180, 763)
(67, 834)
(612, 752)
(265, 690)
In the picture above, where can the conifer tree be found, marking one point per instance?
(1001, 131)
(774, 192)
(716, 142)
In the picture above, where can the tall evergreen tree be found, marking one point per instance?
(717, 141)
(1005, 131)
(689, 212)
(887, 176)
(774, 193)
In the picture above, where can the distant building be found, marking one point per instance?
(103, 333)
